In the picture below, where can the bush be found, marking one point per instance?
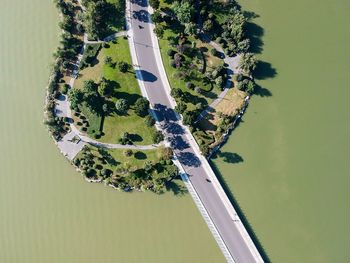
(190, 85)
(166, 153)
(214, 52)
(128, 152)
(121, 106)
(123, 66)
(171, 53)
(157, 137)
(141, 107)
(181, 107)
(176, 93)
(149, 120)
(198, 90)
(154, 3)
(65, 89)
(172, 63)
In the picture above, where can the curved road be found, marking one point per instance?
(188, 156)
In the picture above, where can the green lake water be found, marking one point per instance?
(48, 213)
(293, 183)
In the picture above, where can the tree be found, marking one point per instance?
(98, 16)
(184, 11)
(123, 66)
(176, 93)
(248, 63)
(121, 106)
(141, 107)
(105, 87)
(128, 153)
(154, 3)
(108, 61)
(105, 108)
(156, 17)
(157, 137)
(149, 120)
(191, 29)
(167, 153)
(181, 107)
(75, 97)
(125, 139)
(148, 166)
(188, 117)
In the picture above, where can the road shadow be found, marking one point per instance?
(145, 76)
(188, 159)
(241, 214)
(178, 143)
(164, 113)
(173, 128)
(142, 16)
(142, 3)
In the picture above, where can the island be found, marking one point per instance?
(143, 94)
(96, 110)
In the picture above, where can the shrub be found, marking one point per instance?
(65, 88)
(198, 90)
(154, 3)
(176, 93)
(190, 85)
(171, 53)
(128, 152)
(123, 66)
(172, 63)
(181, 107)
(149, 120)
(213, 51)
(141, 107)
(121, 106)
(166, 153)
(219, 39)
(157, 137)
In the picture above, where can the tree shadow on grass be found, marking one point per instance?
(241, 214)
(145, 76)
(176, 188)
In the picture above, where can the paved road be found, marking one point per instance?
(179, 138)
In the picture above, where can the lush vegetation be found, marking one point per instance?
(117, 107)
(186, 26)
(128, 169)
(103, 18)
(65, 57)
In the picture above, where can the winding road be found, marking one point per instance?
(233, 238)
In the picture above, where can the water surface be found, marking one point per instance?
(48, 213)
(293, 183)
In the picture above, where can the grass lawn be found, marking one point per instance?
(137, 160)
(124, 86)
(230, 105)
